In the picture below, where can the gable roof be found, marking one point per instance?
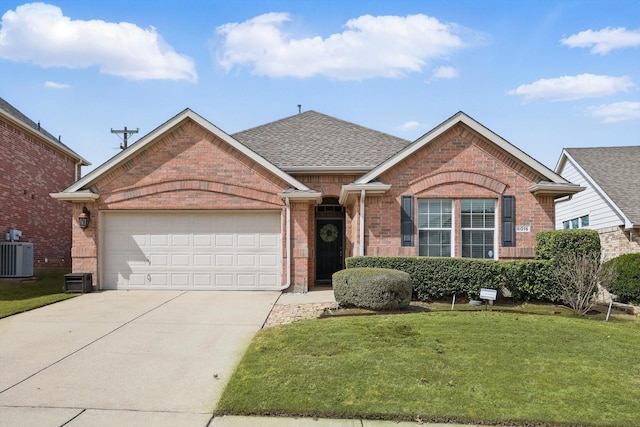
(552, 183)
(315, 142)
(14, 115)
(614, 173)
(141, 144)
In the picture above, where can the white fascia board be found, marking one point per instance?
(310, 196)
(555, 189)
(327, 170)
(374, 188)
(157, 133)
(597, 188)
(56, 145)
(461, 117)
(82, 196)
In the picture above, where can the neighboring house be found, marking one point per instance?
(35, 164)
(281, 205)
(611, 202)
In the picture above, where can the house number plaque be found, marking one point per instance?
(523, 229)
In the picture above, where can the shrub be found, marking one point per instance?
(439, 277)
(578, 277)
(626, 285)
(551, 244)
(531, 280)
(374, 288)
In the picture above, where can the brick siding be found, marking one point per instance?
(458, 164)
(31, 170)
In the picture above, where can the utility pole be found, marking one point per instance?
(126, 132)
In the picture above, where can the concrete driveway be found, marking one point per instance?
(135, 358)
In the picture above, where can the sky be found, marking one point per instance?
(542, 74)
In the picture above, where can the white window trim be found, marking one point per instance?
(495, 227)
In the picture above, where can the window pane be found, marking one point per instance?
(574, 223)
(478, 213)
(435, 221)
(584, 221)
(477, 243)
(446, 220)
(565, 225)
(434, 243)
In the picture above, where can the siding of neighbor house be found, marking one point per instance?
(32, 168)
(600, 170)
(588, 202)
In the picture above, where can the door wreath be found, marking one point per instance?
(328, 233)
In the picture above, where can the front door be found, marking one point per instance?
(329, 249)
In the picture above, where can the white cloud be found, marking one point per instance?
(55, 85)
(616, 112)
(445, 73)
(370, 46)
(568, 88)
(605, 40)
(40, 34)
(410, 126)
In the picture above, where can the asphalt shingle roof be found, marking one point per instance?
(312, 139)
(616, 171)
(13, 111)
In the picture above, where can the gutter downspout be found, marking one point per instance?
(361, 248)
(76, 169)
(288, 242)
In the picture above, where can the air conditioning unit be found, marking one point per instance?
(16, 259)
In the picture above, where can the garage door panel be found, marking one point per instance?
(224, 260)
(181, 240)
(247, 260)
(202, 260)
(268, 260)
(211, 250)
(223, 280)
(224, 240)
(200, 240)
(156, 240)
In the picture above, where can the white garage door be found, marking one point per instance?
(180, 250)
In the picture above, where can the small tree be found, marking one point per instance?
(578, 277)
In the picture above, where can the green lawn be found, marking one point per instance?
(477, 366)
(23, 295)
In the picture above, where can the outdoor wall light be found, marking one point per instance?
(84, 218)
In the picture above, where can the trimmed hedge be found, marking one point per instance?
(551, 244)
(439, 277)
(374, 288)
(626, 285)
(531, 280)
(436, 278)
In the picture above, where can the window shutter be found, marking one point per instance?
(406, 225)
(508, 221)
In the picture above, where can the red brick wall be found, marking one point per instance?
(187, 169)
(458, 164)
(31, 170)
(329, 186)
